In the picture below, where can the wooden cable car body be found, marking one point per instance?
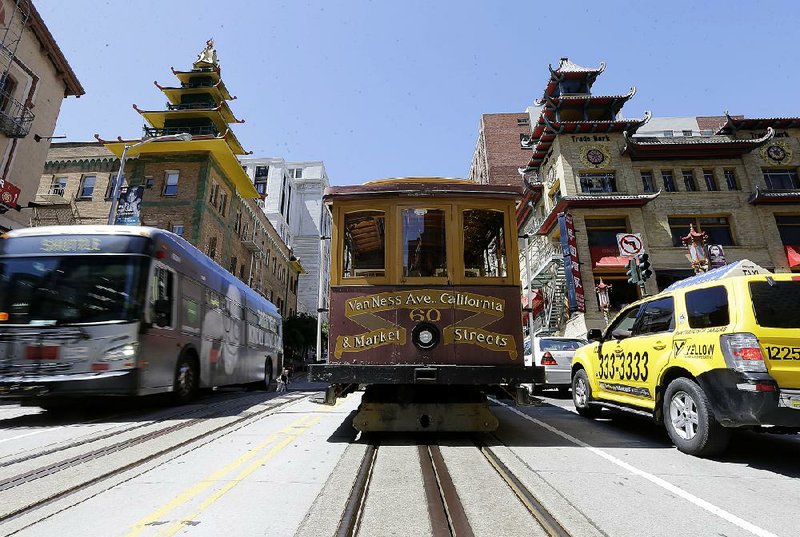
(424, 302)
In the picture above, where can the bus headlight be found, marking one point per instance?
(125, 352)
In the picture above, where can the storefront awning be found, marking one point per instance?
(607, 257)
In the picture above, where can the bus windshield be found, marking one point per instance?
(71, 289)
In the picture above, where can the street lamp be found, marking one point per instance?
(695, 241)
(182, 137)
(603, 299)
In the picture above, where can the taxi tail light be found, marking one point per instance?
(547, 359)
(742, 353)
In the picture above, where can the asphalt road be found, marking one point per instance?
(288, 469)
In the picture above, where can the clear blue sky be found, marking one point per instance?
(382, 89)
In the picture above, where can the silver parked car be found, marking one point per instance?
(555, 354)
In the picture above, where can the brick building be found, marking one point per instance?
(35, 77)
(498, 154)
(195, 188)
(592, 174)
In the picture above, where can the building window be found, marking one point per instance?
(262, 171)
(212, 247)
(237, 225)
(8, 86)
(687, 133)
(223, 203)
(707, 132)
(717, 227)
(233, 265)
(87, 187)
(711, 182)
(789, 229)
(668, 134)
(785, 179)
(297, 173)
(730, 179)
(177, 229)
(213, 194)
(58, 186)
(523, 121)
(669, 182)
(647, 181)
(688, 181)
(149, 182)
(171, 184)
(112, 181)
(602, 236)
(598, 183)
(261, 185)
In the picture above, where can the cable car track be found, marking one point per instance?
(445, 508)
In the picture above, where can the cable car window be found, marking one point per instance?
(424, 243)
(484, 244)
(364, 244)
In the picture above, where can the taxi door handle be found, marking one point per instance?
(659, 346)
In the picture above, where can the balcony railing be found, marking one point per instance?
(151, 132)
(15, 117)
(191, 106)
(203, 84)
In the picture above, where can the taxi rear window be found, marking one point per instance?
(776, 304)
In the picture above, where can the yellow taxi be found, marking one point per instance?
(710, 353)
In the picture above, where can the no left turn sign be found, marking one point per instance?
(629, 244)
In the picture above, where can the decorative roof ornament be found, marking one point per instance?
(207, 56)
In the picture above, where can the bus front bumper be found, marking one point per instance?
(124, 382)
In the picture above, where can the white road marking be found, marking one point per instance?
(711, 508)
(46, 430)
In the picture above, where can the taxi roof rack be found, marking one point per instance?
(745, 267)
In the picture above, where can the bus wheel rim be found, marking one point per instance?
(683, 415)
(185, 379)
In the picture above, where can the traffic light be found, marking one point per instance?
(633, 271)
(645, 271)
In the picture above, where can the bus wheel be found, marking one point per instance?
(185, 386)
(267, 384)
(582, 395)
(690, 422)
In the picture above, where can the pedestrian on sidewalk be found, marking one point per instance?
(281, 380)
(284, 379)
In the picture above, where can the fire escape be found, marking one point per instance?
(547, 276)
(15, 116)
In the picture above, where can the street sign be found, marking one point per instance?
(9, 194)
(629, 244)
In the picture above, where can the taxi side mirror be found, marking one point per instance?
(594, 334)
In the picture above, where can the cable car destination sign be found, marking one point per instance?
(425, 305)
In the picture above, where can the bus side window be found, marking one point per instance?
(162, 296)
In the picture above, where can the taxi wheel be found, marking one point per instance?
(689, 421)
(582, 395)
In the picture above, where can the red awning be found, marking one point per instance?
(793, 255)
(538, 303)
(607, 257)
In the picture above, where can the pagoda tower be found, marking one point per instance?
(193, 183)
(568, 107)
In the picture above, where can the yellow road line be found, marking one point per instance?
(208, 502)
(200, 486)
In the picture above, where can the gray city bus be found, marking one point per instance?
(125, 310)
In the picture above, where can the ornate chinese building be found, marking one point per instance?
(593, 175)
(194, 184)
